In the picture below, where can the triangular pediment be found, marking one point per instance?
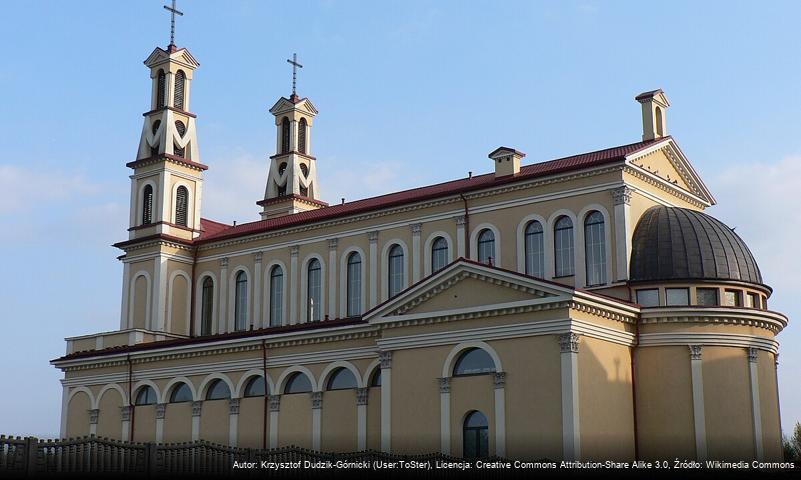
(180, 56)
(284, 105)
(469, 286)
(666, 163)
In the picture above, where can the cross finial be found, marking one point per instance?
(173, 12)
(295, 66)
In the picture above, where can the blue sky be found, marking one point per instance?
(410, 92)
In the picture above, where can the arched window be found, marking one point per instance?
(302, 136)
(595, 248)
(276, 296)
(181, 206)
(395, 270)
(255, 387)
(659, 127)
(146, 396)
(475, 435)
(178, 97)
(181, 393)
(341, 379)
(285, 135)
(314, 292)
(535, 249)
(161, 89)
(473, 361)
(486, 246)
(563, 247)
(298, 383)
(181, 129)
(439, 254)
(304, 191)
(147, 205)
(206, 306)
(154, 129)
(354, 284)
(241, 301)
(218, 390)
(375, 381)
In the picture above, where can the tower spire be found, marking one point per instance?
(295, 66)
(173, 12)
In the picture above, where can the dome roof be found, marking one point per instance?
(672, 243)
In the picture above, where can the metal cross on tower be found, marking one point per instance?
(173, 13)
(295, 66)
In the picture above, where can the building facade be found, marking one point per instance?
(578, 308)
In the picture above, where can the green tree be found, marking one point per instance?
(792, 445)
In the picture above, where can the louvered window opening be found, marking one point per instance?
(177, 149)
(147, 205)
(181, 206)
(178, 97)
(302, 136)
(285, 135)
(161, 85)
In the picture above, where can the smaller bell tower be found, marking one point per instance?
(292, 177)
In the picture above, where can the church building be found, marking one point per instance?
(577, 308)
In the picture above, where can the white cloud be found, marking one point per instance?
(25, 188)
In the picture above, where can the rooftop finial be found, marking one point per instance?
(173, 12)
(295, 66)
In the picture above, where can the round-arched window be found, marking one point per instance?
(341, 379)
(475, 435)
(218, 390)
(473, 361)
(146, 396)
(298, 383)
(181, 393)
(255, 387)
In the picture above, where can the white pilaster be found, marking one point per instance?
(317, 411)
(197, 407)
(275, 407)
(222, 315)
(93, 417)
(125, 414)
(126, 286)
(361, 418)
(756, 413)
(444, 415)
(500, 413)
(460, 245)
(571, 432)
(417, 228)
(160, 294)
(258, 322)
(373, 238)
(233, 421)
(622, 200)
(332, 278)
(293, 284)
(698, 401)
(164, 212)
(65, 395)
(386, 398)
(161, 410)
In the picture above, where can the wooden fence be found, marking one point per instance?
(31, 456)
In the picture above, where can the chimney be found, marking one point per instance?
(507, 161)
(654, 104)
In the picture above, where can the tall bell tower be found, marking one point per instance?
(292, 177)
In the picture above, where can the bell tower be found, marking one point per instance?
(292, 177)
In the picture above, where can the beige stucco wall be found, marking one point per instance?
(338, 424)
(295, 420)
(768, 402)
(109, 422)
(78, 415)
(250, 422)
(727, 401)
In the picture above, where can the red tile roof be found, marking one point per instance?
(453, 187)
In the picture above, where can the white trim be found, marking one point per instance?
(699, 421)
(521, 243)
(245, 378)
(117, 388)
(190, 212)
(550, 268)
(199, 302)
(581, 243)
(500, 421)
(280, 384)
(168, 389)
(756, 412)
(232, 298)
(368, 372)
(496, 258)
(304, 287)
(140, 198)
(709, 339)
(447, 366)
(343, 281)
(268, 270)
(385, 266)
(146, 383)
(331, 312)
(159, 294)
(126, 285)
(571, 429)
(78, 389)
(132, 301)
(65, 398)
(386, 409)
(427, 250)
(335, 366)
(171, 286)
(201, 391)
(445, 437)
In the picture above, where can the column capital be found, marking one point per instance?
(258, 256)
(197, 406)
(416, 228)
(385, 358)
(332, 243)
(622, 195)
(233, 406)
(445, 385)
(224, 262)
(695, 352)
(753, 354)
(161, 410)
(293, 251)
(361, 396)
(93, 416)
(500, 380)
(317, 400)
(569, 343)
(776, 360)
(460, 220)
(274, 403)
(125, 413)
(372, 236)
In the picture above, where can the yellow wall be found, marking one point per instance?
(295, 420)
(338, 429)
(727, 398)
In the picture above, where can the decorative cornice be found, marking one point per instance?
(385, 358)
(769, 320)
(569, 343)
(274, 403)
(621, 195)
(361, 396)
(445, 385)
(233, 406)
(695, 352)
(499, 380)
(197, 407)
(640, 174)
(161, 410)
(317, 400)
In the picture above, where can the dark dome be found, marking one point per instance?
(672, 243)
